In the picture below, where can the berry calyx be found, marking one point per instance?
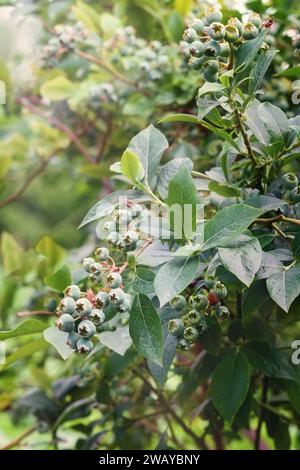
(176, 327)
(73, 292)
(84, 345)
(179, 303)
(86, 328)
(83, 307)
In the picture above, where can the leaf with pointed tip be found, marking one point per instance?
(118, 341)
(284, 287)
(27, 327)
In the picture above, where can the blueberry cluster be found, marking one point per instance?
(65, 38)
(205, 302)
(211, 43)
(102, 94)
(290, 187)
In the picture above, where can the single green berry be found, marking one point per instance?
(232, 33)
(198, 301)
(125, 305)
(95, 268)
(114, 280)
(213, 15)
(95, 278)
(86, 328)
(220, 290)
(190, 334)
(73, 292)
(237, 23)
(212, 48)
(197, 49)
(225, 49)
(255, 19)
(66, 323)
(222, 312)
(101, 299)
(121, 244)
(190, 35)
(73, 339)
(84, 345)
(289, 181)
(97, 316)
(212, 67)
(294, 194)
(116, 296)
(102, 254)
(67, 305)
(184, 345)
(130, 237)
(113, 238)
(176, 327)
(209, 77)
(216, 31)
(136, 210)
(122, 216)
(197, 62)
(197, 25)
(86, 263)
(109, 226)
(194, 317)
(250, 31)
(179, 303)
(83, 307)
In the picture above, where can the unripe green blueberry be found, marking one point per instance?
(209, 77)
(122, 216)
(130, 237)
(232, 33)
(73, 339)
(212, 67)
(86, 328)
(190, 334)
(212, 48)
(250, 31)
(197, 49)
(84, 345)
(67, 305)
(97, 316)
(294, 194)
(121, 244)
(95, 278)
(86, 263)
(125, 305)
(222, 312)
(83, 307)
(114, 280)
(190, 35)
(194, 317)
(101, 299)
(66, 323)
(179, 303)
(136, 210)
(95, 268)
(176, 327)
(184, 345)
(109, 226)
(255, 18)
(102, 254)
(220, 290)
(197, 25)
(289, 181)
(113, 238)
(197, 62)
(116, 296)
(237, 23)
(73, 292)
(216, 31)
(213, 15)
(198, 301)
(225, 49)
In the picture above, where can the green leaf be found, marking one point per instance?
(167, 171)
(183, 6)
(11, 253)
(291, 72)
(274, 119)
(27, 327)
(51, 250)
(118, 341)
(107, 204)
(211, 338)
(131, 166)
(160, 373)
(173, 277)
(146, 329)
(224, 189)
(254, 299)
(243, 258)
(230, 384)
(183, 193)
(194, 120)
(284, 287)
(248, 51)
(24, 351)
(142, 282)
(58, 88)
(209, 87)
(228, 224)
(260, 69)
(149, 146)
(58, 339)
(59, 280)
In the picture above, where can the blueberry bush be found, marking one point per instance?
(170, 318)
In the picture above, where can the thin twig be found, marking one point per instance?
(278, 218)
(245, 136)
(15, 442)
(28, 313)
(27, 182)
(59, 125)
